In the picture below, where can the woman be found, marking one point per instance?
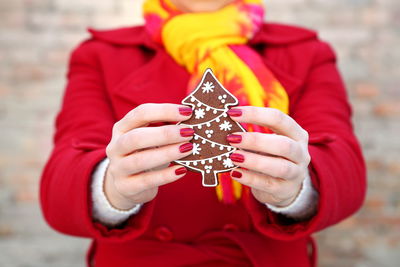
(109, 177)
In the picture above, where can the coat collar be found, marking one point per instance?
(270, 33)
(124, 36)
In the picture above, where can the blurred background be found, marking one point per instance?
(36, 37)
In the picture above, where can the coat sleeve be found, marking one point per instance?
(83, 130)
(337, 166)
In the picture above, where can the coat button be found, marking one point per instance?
(163, 233)
(230, 227)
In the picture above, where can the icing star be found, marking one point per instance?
(225, 126)
(228, 163)
(208, 87)
(199, 113)
(196, 149)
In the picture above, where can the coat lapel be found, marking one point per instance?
(160, 80)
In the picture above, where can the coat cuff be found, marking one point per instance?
(103, 211)
(304, 206)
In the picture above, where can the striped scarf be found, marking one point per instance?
(217, 40)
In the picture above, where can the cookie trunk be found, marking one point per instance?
(210, 179)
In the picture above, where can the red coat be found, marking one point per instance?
(185, 225)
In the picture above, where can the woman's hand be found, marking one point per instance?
(276, 164)
(139, 155)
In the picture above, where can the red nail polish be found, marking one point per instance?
(181, 171)
(236, 174)
(235, 112)
(234, 138)
(186, 132)
(185, 111)
(186, 147)
(237, 157)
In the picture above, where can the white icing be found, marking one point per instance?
(208, 87)
(199, 113)
(196, 149)
(208, 168)
(202, 161)
(209, 133)
(228, 163)
(222, 98)
(198, 125)
(225, 126)
(199, 104)
(213, 144)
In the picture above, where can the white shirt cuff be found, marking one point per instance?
(103, 211)
(304, 206)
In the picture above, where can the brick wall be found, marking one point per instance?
(36, 37)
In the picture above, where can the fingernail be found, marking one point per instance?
(186, 147)
(234, 138)
(235, 112)
(236, 174)
(237, 157)
(185, 111)
(180, 171)
(186, 132)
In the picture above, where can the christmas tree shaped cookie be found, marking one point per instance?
(210, 102)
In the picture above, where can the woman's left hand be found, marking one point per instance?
(275, 164)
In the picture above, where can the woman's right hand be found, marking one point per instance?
(139, 155)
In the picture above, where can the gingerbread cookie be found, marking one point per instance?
(210, 102)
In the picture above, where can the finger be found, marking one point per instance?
(273, 144)
(151, 158)
(272, 118)
(147, 180)
(272, 166)
(151, 113)
(256, 180)
(148, 137)
(265, 188)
